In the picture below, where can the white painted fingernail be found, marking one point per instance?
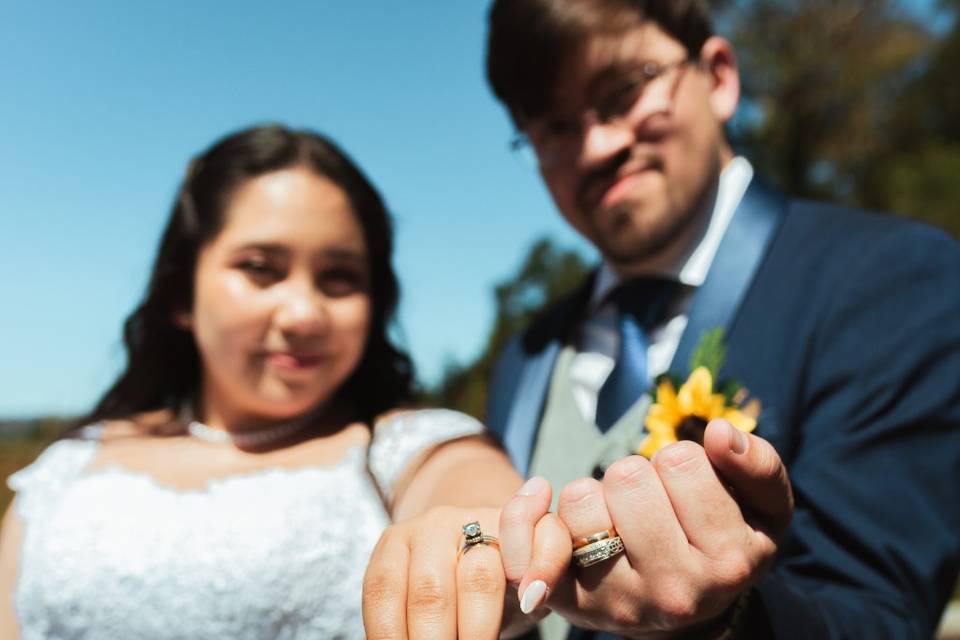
(533, 596)
(532, 487)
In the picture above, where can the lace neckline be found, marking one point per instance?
(355, 457)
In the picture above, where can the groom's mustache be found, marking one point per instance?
(594, 184)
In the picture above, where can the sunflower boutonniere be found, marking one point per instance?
(684, 414)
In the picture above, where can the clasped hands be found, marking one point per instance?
(699, 525)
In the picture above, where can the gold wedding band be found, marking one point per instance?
(473, 536)
(597, 537)
(597, 552)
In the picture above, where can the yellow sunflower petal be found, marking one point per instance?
(717, 407)
(663, 414)
(752, 408)
(740, 420)
(666, 395)
(660, 426)
(653, 443)
(695, 396)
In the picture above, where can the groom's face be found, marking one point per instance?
(636, 174)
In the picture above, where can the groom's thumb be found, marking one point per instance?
(754, 471)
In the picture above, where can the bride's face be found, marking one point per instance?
(281, 304)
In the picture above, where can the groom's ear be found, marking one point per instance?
(719, 61)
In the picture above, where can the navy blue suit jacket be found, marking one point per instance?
(848, 332)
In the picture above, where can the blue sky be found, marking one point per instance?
(104, 102)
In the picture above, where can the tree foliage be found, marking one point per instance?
(851, 100)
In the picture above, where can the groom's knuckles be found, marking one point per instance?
(633, 494)
(681, 458)
(630, 474)
(676, 602)
(577, 490)
(710, 517)
(732, 571)
(581, 506)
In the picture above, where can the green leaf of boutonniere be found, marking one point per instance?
(710, 352)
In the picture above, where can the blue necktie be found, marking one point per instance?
(640, 304)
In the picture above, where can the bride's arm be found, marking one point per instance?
(471, 472)
(10, 540)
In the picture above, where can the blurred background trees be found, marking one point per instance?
(852, 100)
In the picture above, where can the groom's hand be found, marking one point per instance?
(700, 525)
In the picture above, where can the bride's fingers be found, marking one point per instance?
(552, 550)
(432, 586)
(385, 589)
(518, 520)
(480, 591)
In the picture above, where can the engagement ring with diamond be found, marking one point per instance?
(472, 536)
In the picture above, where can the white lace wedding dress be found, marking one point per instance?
(277, 554)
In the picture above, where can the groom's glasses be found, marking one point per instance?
(554, 140)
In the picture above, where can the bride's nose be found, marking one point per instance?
(302, 309)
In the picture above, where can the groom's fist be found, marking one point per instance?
(699, 525)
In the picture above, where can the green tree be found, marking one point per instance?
(919, 172)
(851, 100)
(824, 76)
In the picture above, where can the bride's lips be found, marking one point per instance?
(294, 361)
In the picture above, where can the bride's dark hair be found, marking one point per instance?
(163, 365)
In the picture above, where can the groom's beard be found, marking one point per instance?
(648, 222)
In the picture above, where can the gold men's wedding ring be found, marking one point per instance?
(597, 537)
(472, 536)
(596, 552)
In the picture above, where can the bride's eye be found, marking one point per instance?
(337, 282)
(260, 271)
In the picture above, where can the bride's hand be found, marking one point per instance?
(535, 545)
(416, 586)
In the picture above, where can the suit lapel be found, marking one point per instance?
(738, 258)
(541, 346)
(524, 417)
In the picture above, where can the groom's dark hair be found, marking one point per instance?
(531, 41)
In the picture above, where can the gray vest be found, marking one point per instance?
(569, 447)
